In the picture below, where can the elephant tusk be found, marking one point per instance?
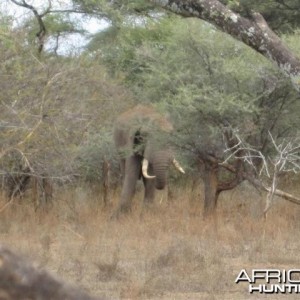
(178, 166)
(145, 169)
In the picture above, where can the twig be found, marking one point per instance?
(7, 204)
(285, 159)
(74, 232)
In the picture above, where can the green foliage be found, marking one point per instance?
(292, 40)
(58, 23)
(118, 12)
(97, 149)
(206, 80)
(117, 47)
(281, 15)
(60, 110)
(57, 26)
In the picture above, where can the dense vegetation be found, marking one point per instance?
(58, 106)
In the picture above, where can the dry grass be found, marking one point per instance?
(167, 252)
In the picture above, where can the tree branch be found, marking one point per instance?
(254, 33)
(258, 184)
(41, 34)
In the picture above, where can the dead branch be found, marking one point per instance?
(259, 185)
(284, 158)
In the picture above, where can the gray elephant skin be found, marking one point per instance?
(140, 139)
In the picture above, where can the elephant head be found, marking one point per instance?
(140, 138)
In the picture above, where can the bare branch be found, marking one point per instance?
(285, 158)
(41, 34)
(26, 138)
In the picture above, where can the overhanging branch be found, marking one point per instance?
(255, 33)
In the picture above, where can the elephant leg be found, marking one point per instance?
(149, 185)
(132, 173)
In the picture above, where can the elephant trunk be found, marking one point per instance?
(160, 166)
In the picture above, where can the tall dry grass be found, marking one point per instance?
(165, 252)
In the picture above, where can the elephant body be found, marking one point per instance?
(140, 138)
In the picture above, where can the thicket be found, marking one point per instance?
(57, 110)
(216, 90)
(56, 114)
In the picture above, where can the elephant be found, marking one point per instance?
(140, 139)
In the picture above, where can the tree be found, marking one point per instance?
(212, 86)
(51, 108)
(41, 33)
(254, 32)
(249, 26)
(284, 159)
(48, 25)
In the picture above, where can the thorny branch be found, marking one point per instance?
(284, 158)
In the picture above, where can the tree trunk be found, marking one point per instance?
(211, 192)
(255, 32)
(105, 181)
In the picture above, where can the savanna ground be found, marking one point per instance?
(167, 252)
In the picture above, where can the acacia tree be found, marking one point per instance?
(212, 86)
(253, 31)
(47, 24)
(209, 85)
